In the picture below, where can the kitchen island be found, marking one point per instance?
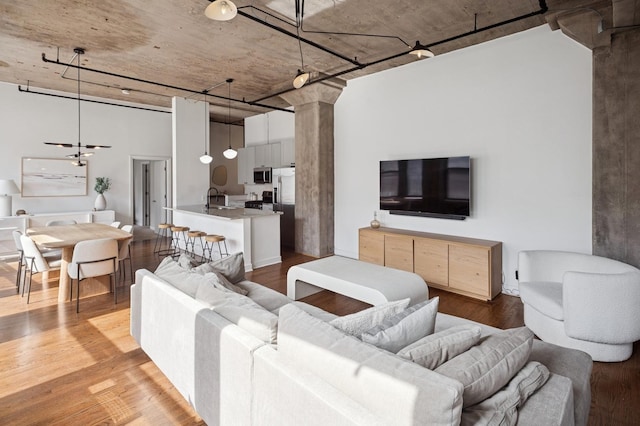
(256, 233)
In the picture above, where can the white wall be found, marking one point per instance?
(520, 106)
(191, 128)
(27, 120)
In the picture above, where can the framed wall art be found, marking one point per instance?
(52, 177)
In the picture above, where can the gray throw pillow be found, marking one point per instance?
(182, 279)
(232, 267)
(488, 366)
(358, 323)
(404, 328)
(502, 407)
(436, 349)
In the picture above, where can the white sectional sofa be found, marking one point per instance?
(232, 377)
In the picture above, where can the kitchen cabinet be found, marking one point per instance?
(267, 155)
(246, 163)
(288, 152)
(467, 266)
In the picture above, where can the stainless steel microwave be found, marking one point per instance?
(262, 175)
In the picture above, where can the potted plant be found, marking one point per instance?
(102, 185)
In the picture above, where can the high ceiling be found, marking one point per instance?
(173, 43)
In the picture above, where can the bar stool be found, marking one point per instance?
(192, 236)
(210, 240)
(162, 235)
(176, 231)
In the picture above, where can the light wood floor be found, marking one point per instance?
(62, 368)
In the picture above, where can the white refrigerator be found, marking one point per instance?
(284, 200)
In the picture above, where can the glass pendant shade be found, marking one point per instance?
(300, 79)
(206, 158)
(221, 10)
(230, 153)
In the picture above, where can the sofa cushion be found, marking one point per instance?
(545, 297)
(358, 323)
(436, 349)
(232, 267)
(248, 315)
(395, 390)
(182, 279)
(491, 364)
(502, 407)
(404, 328)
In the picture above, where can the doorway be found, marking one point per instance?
(150, 180)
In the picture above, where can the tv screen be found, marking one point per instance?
(432, 186)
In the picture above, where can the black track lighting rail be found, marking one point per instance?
(543, 9)
(167, 86)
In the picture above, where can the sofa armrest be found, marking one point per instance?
(596, 304)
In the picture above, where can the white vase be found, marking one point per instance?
(101, 202)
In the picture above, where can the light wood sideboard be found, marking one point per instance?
(467, 266)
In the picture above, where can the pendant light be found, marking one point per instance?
(421, 51)
(221, 10)
(302, 76)
(229, 153)
(78, 157)
(206, 158)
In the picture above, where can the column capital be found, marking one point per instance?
(327, 91)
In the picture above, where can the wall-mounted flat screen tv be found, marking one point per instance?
(439, 187)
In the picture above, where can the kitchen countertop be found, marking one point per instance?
(224, 212)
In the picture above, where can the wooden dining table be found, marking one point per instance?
(65, 238)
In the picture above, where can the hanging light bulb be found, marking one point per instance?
(301, 78)
(229, 153)
(206, 158)
(221, 10)
(421, 51)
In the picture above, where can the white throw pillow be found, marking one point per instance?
(358, 323)
(436, 349)
(404, 328)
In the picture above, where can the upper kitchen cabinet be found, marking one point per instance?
(246, 163)
(288, 152)
(268, 155)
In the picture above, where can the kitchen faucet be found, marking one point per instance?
(208, 195)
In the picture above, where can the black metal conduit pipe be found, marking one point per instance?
(35, 92)
(168, 86)
(295, 36)
(543, 9)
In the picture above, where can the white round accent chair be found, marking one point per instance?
(581, 301)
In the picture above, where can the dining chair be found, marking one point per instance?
(115, 224)
(34, 262)
(93, 258)
(61, 222)
(16, 239)
(124, 253)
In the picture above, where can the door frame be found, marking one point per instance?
(168, 180)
